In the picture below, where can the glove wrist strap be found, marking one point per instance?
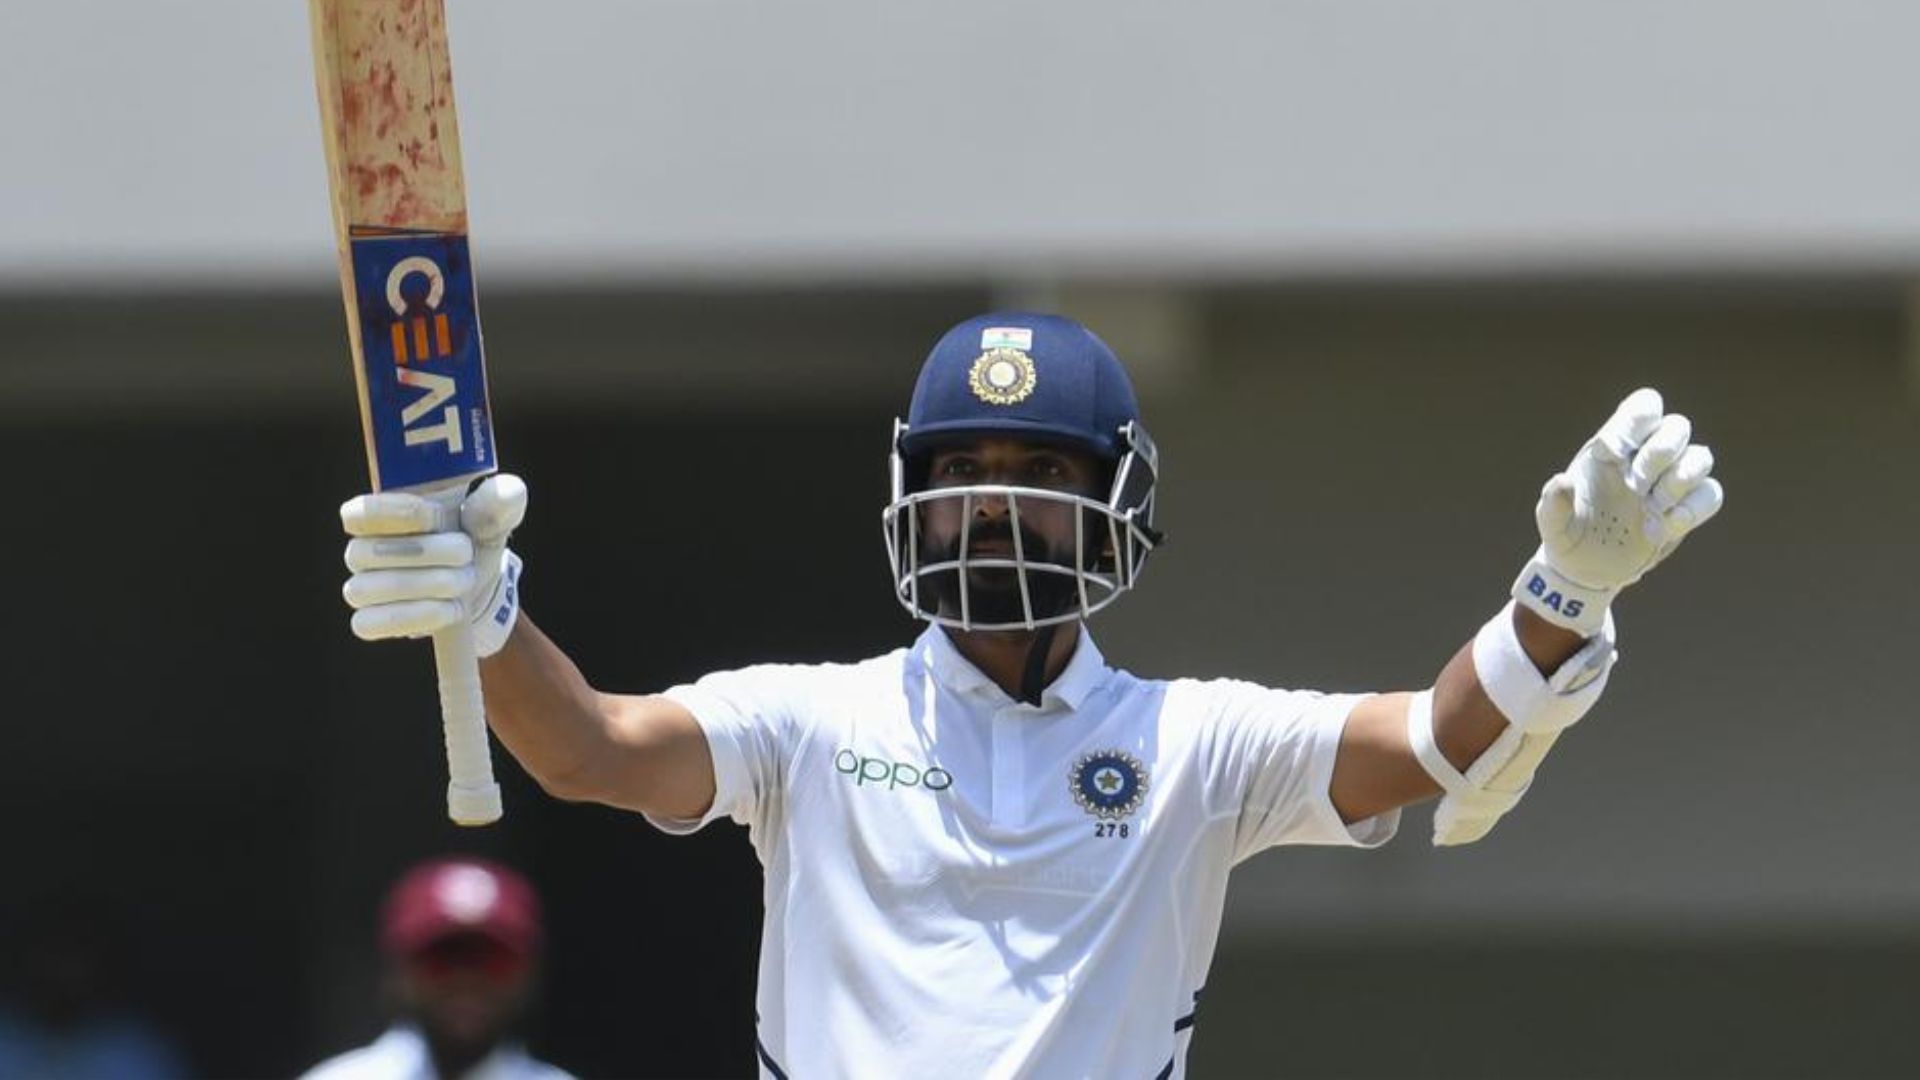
(493, 621)
(1560, 600)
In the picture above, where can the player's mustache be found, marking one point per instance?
(1001, 532)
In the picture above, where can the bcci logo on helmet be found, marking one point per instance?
(1108, 783)
(1003, 376)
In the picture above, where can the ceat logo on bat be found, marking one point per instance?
(420, 344)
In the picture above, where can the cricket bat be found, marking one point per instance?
(400, 218)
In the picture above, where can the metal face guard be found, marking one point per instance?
(1050, 592)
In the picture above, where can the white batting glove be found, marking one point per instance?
(416, 570)
(1631, 494)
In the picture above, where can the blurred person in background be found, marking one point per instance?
(69, 1023)
(462, 940)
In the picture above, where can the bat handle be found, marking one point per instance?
(472, 796)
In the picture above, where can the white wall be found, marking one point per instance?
(1003, 138)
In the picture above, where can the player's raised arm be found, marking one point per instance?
(410, 580)
(1630, 495)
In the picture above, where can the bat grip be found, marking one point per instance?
(472, 796)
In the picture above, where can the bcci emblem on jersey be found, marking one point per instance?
(1108, 783)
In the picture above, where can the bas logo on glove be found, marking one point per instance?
(1545, 594)
(509, 605)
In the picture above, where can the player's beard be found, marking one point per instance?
(993, 593)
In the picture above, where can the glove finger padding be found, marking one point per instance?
(1632, 422)
(1659, 452)
(372, 588)
(403, 552)
(1695, 510)
(1693, 466)
(407, 619)
(393, 513)
(495, 508)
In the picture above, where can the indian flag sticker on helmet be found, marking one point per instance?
(1006, 337)
(1003, 375)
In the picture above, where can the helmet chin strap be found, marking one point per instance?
(1033, 678)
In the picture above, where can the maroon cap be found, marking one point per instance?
(446, 897)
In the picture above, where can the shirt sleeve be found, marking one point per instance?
(1269, 762)
(748, 719)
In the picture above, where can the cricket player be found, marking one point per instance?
(462, 938)
(989, 853)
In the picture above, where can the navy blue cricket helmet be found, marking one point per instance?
(1041, 378)
(1018, 373)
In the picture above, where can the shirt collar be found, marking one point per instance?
(1084, 672)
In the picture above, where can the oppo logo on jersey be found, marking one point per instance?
(869, 770)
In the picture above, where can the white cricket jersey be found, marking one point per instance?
(961, 884)
(401, 1054)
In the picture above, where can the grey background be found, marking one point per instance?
(729, 137)
(1378, 269)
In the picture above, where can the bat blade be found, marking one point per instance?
(400, 222)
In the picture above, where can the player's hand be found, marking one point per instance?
(416, 570)
(1631, 494)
